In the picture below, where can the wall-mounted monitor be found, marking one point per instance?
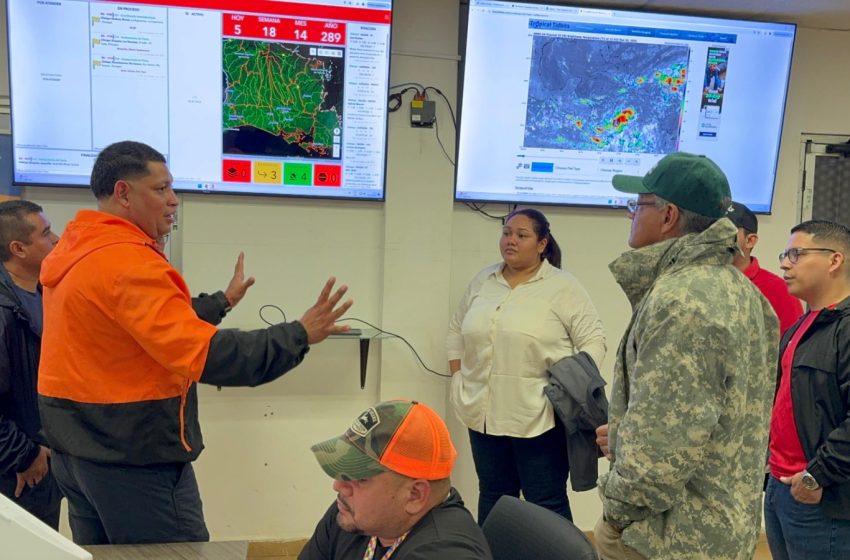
(241, 96)
(557, 99)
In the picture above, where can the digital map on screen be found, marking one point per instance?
(282, 99)
(589, 94)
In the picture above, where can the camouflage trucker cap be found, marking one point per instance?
(405, 437)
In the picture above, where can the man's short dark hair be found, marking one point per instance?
(14, 225)
(689, 222)
(122, 160)
(831, 234)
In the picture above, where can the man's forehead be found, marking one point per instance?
(158, 167)
(158, 173)
(38, 219)
(800, 237)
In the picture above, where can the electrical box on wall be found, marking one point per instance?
(423, 113)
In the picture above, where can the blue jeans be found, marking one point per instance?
(537, 466)
(798, 531)
(116, 504)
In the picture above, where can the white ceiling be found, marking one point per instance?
(820, 14)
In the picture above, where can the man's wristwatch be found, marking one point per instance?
(809, 482)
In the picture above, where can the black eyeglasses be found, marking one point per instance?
(633, 203)
(793, 254)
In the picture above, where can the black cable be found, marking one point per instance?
(394, 335)
(480, 209)
(394, 100)
(415, 353)
(263, 319)
(451, 111)
(420, 88)
(440, 142)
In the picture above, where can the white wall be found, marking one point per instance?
(407, 262)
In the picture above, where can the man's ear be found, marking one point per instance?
(750, 241)
(836, 261)
(671, 219)
(419, 491)
(121, 192)
(17, 249)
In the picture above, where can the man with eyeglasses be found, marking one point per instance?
(807, 501)
(786, 306)
(394, 496)
(693, 383)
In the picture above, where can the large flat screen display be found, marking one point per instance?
(557, 99)
(241, 96)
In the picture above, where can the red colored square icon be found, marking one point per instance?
(327, 175)
(236, 170)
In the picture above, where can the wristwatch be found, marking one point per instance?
(809, 482)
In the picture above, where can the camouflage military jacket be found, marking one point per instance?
(691, 400)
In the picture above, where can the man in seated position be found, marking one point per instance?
(394, 497)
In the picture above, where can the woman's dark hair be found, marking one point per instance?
(552, 252)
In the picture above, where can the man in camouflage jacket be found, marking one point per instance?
(693, 385)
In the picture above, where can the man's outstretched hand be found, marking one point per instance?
(239, 285)
(320, 320)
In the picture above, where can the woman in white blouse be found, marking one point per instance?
(516, 319)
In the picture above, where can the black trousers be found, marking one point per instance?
(117, 504)
(42, 500)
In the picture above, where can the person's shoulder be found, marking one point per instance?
(701, 291)
(133, 256)
(330, 541)
(7, 305)
(489, 270)
(707, 276)
(677, 283)
(483, 275)
(449, 530)
(763, 273)
(562, 278)
(118, 255)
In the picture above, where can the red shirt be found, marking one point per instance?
(786, 453)
(786, 306)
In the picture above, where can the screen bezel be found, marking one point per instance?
(187, 190)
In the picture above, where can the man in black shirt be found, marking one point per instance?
(25, 477)
(394, 496)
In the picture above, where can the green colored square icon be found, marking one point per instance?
(297, 174)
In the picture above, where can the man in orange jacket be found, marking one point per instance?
(122, 352)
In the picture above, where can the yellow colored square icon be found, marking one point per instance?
(268, 172)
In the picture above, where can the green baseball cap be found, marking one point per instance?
(689, 181)
(405, 437)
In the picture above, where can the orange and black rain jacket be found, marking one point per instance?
(122, 349)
